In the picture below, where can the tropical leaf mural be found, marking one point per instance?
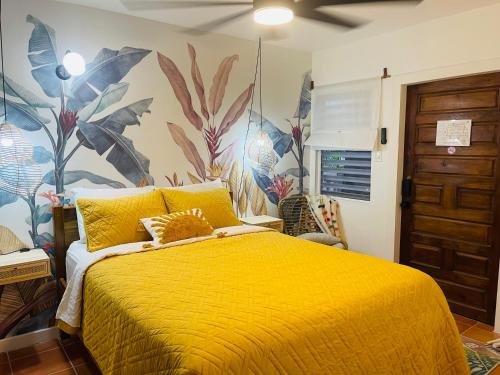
(69, 118)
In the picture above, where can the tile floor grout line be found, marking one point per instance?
(32, 354)
(472, 326)
(10, 365)
(69, 359)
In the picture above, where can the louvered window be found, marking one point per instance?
(346, 174)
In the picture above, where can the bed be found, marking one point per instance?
(259, 303)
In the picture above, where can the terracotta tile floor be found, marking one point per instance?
(71, 357)
(51, 357)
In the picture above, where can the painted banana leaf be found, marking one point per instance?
(71, 177)
(41, 155)
(17, 91)
(133, 165)
(264, 182)
(282, 142)
(188, 148)
(294, 172)
(44, 240)
(111, 95)
(116, 122)
(41, 215)
(108, 67)
(42, 54)
(7, 198)
(304, 106)
(23, 116)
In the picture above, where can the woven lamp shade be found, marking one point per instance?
(19, 173)
(260, 151)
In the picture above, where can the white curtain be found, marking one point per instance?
(345, 116)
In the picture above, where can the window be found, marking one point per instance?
(346, 174)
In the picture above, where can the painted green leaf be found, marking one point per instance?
(23, 116)
(15, 90)
(41, 155)
(304, 105)
(109, 66)
(70, 177)
(111, 95)
(7, 198)
(116, 122)
(42, 54)
(282, 142)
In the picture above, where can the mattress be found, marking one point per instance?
(266, 303)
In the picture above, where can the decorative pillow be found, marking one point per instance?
(78, 193)
(178, 226)
(323, 238)
(216, 205)
(194, 188)
(110, 222)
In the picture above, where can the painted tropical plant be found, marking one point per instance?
(278, 186)
(69, 120)
(210, 124)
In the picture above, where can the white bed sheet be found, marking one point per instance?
(77, 252)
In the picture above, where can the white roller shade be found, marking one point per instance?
(346, 115)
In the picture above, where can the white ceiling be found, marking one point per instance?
(302, 34)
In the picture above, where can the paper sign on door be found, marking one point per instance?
(453, 133)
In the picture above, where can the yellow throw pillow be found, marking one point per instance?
(178, 226)
(216, 205)
(110, 222)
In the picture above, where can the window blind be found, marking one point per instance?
(346, 174)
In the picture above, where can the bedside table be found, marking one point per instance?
(17, 266)
(264, 221)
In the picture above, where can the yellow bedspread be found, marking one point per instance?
(266, 303)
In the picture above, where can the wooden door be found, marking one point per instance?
(450, 225)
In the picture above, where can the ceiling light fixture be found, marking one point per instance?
(274, 15)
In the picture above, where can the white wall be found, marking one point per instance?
(462, 44)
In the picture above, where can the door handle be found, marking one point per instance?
(406, 192)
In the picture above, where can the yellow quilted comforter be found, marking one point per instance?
(265, 303)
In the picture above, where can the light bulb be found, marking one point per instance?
(7, 142)
(74, 63)
(273, 15)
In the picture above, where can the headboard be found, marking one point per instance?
(65, 232)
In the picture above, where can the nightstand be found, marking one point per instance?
(17, 266)
(264, 221)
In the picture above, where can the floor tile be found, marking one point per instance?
(3, 358)
(462, 326)
(486, 327)
(43, 363)
(463, 319)
(69, 371)
(32, 350)
(87, 369)
(77, 353)
(480, 334)
(5, 368)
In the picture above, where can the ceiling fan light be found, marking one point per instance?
(273, 15)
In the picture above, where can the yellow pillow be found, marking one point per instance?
(178, 226)
(110, 222)
(216, 205)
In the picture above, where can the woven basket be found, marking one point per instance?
(297, 216)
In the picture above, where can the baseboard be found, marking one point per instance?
(28, 339)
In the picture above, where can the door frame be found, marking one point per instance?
(407, 164)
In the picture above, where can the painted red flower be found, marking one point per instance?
(51, 196)
(67, 120)
(281, 186)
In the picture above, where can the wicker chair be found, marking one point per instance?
(297, 216)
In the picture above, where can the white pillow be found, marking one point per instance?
(323, 238)
(196, 188)
(78, 193)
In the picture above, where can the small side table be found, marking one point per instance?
(17, 266)
(264, 221)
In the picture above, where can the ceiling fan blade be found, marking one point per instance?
(152, 4)
(314, 15)
(322, 3)
(212, 25)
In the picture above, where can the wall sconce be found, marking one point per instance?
(73, 65)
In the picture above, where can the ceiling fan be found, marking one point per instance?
(265, 12)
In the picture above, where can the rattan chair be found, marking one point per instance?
(297, 216)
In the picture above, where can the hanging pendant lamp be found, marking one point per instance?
(19, 173)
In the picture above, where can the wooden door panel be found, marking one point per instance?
(455, 165)
(460, 101)
(480, 132)
(450, 226)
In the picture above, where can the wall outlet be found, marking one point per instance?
(378, 155)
